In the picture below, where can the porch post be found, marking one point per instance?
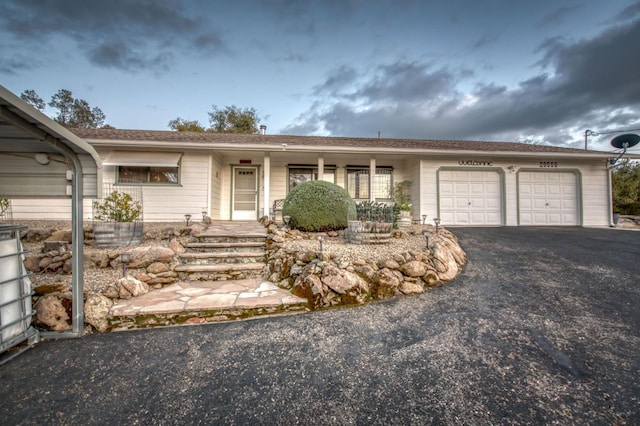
(320, 168)
(266, 181)
(372, 175)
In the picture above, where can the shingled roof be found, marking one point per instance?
(276, 141)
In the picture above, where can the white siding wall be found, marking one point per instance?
(49, 209)
(171, 203)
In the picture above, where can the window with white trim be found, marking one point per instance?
(358, 183)
(302, 173)
(148, 175)
(145, 168)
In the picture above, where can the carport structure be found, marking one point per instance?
(41, 159)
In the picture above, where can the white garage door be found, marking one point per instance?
(470, 197)
(548, 198)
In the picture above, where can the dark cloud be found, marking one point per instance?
(591, 83)
(99, 27)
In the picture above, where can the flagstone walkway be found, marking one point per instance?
(207, 301)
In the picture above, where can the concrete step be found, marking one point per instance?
(209, 258)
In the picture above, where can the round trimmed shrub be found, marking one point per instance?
(319, 206)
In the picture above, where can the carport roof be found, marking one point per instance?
(26, 133)
(25, 129)
(163, 138)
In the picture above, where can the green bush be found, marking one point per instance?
(117, 207)
(626, 189)
(319, 206)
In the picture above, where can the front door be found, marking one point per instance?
(244, 200)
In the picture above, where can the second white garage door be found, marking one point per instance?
(548, 198)
(470, 197)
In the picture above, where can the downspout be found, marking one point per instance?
(610, 191)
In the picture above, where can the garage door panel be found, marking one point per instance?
(548, 198)
(475, 198)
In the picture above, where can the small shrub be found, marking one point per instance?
(4, 205)
(319, 206)
(401, 194)
(117, 207)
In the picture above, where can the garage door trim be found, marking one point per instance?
(501, 175)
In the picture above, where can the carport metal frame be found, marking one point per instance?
(46, 131)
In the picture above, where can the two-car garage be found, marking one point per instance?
(478, 197)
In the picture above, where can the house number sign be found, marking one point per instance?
(475, 163)
(547, 164)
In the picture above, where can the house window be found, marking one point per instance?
(149, 175)
(300, 174)
(145, 168)
(358, 183)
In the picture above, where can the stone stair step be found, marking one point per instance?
(222, 255)
(231, 235)
(224, 267)
(236, 246)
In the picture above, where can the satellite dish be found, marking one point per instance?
(625, 141)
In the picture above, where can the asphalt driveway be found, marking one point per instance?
(542, 327)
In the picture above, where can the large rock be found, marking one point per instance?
(62, 235)
(141, 257)
(51, 311)
(96, 311)
(157, 268)
(444, 262)
(414, 269)
(129, 287)
(309, 287)
(408, 287)
(385, 284)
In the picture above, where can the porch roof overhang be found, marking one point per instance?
(119, 139)
(363, 150)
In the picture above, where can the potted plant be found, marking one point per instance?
(374, 224)
(117, 217)
(402, 198)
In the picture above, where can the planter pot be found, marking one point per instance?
(114, 234)
(405, 218)
(359, 232)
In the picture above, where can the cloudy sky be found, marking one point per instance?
(507, 70)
